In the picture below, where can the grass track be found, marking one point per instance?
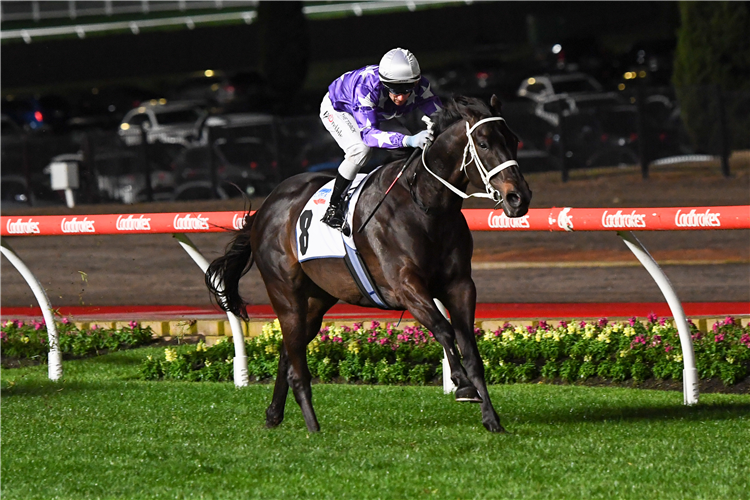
(101, 433)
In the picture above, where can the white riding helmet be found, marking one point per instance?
(399, 70)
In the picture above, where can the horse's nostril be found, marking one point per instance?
(513, 199)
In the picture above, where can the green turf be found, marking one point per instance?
(101, 433)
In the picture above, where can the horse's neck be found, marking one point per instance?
(444, 157)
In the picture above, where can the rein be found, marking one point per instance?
(491, 192)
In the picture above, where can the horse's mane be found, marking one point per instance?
(456, 109)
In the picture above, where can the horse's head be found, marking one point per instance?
(490, 151)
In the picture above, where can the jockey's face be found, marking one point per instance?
(399, 99)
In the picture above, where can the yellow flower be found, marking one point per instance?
(170, 354)
(353, 347)
(623, 353)
(586, 358)
(229, 359)
(629, 331)
(208, 363)
(603, 337)
(326, 360)
(25, 340)
(730, 360)
(678, 358)
(312, 347)
(271, 349)
(201, 346)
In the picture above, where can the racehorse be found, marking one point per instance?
(417, 247)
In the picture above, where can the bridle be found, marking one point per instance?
(471, 151)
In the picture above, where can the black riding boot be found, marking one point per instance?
(334, 215)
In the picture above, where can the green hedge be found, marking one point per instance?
(573, 351)
(30, 340)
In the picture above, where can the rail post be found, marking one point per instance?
(54, 357)
(448, 385)
(689, 373)
(241, 377)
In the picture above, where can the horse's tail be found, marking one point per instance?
(223, 275)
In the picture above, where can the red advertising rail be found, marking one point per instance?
(538, 219)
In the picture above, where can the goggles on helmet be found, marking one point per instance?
(399, 88)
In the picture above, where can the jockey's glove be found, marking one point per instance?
(419, 140)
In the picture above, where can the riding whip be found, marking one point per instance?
(414, 153)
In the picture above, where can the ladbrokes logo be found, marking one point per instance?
(501, 221)
(21, 227)
(693, 219)
(130, 224)
(189, 222)
(620, 219)
(77, 226)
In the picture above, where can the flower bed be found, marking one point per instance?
(569, 351)
(29, 341)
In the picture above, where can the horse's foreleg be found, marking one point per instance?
(422, 306)
(461, 302)
(275, 411)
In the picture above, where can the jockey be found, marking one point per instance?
(355, 105)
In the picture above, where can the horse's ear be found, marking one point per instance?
(497, 106)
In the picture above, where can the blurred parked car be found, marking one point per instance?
(38, 113)
(176, 122)
(104, 107)
(240, 164)
(539, 88)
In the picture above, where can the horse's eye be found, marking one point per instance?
(483, 145)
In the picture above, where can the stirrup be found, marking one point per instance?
(334, 217)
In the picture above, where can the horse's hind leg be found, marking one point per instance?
(317, 307)
(275, 411)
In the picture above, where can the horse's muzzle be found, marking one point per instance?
(515, 204)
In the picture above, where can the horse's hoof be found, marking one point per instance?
(494, 427)
(273, 420)
(468, 394)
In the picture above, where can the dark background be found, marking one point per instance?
(505, 27)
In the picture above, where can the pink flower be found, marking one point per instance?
(745, 339)
(603, 322)
(324, 337)
(582, 324)
(383, 341)
(663, 321)
(729, 321)
(668, 348)
(38, 325)
(370, 340)
(498, 332)
(656, 340)
(697, 335)
(719, 337)
(375, 325)
(563, 324)
(477, 332)
(716, 327)
(358, 326)
(633, 321)
(94, 327)
(543, 325)
(2, 335)
(65, 321)
(652, 318)
(531, 329)
(132, 324)
(507, 325)
(394, 346)
(42, 340)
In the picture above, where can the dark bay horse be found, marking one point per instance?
(417, 247)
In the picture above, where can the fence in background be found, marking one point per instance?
(566, 219)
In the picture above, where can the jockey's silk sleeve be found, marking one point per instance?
(361, 94)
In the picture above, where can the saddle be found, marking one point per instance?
(317, 240)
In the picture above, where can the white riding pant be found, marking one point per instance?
(344, 129)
